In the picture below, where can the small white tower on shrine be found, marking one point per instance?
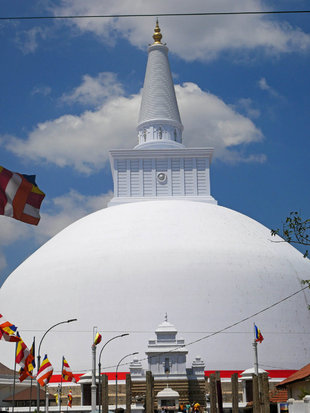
(166, 353)
(160, 167)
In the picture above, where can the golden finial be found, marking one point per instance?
(157, 35)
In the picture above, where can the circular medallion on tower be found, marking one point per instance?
(162, 177)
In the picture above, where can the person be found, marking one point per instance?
(196, 407)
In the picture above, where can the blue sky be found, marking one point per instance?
(70, 91)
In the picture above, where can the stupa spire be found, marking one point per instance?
(159, 118)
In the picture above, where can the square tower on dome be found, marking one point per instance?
(160, 167)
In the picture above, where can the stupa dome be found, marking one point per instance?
(122, 268)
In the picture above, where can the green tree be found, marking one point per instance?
(296, 230)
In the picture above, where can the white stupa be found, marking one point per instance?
(164, 245)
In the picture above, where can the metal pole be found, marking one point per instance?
(60, 390)
(30, 399)
(255, 354)
(99, 365)
(39, 357)
(127, 355)
(46, 399)
(93, 382)
(14, 377)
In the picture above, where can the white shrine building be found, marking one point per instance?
(166, 356)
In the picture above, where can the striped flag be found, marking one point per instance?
(31, 364)
(20, 197)
(7, 330)
(45, 372)
(98, 338)
(27, 364)
(258, 335)
(22, 352)
(67, 374)
(70, 398)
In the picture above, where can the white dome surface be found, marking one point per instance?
(122, 268)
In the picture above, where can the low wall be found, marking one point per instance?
(299, 406)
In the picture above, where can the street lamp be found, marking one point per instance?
(99, 364)
(39, 357)
(127, 355)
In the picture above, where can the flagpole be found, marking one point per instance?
(255, 353)
(14, 378)
(59, 396)
(30, 401)
(31, 380)
(93, 383)
(46, 399)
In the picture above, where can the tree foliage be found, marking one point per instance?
(296, 230)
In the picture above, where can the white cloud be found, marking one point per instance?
(84, 141)
(27, 40)
(199, 37)
(95, 90)
(246, 105)
(41, 90)
(58, 213)
(263, 85)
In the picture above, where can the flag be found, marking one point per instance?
(70, 398)
(23, 374)
(97, 339)
(45, 372)
(22, 352)
(67, 374)
(258, 335)
(29, 365)
(8, 330)
(20, 197)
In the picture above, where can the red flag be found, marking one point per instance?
(20, 197)
(258, 335)
(45, 372)
(70, 398)
(7, 330)
(22, 352)
(67, 374)
(97, 339)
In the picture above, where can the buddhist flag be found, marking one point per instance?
(70, 398)
(8, 330)
(258, 335)
(67, 374)
(29, 365)
(45, 372)
(20, 197)
(22, 352)
(97, 339)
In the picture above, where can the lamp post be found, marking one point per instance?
(127, 355)
(99, 364)
(39, 357)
